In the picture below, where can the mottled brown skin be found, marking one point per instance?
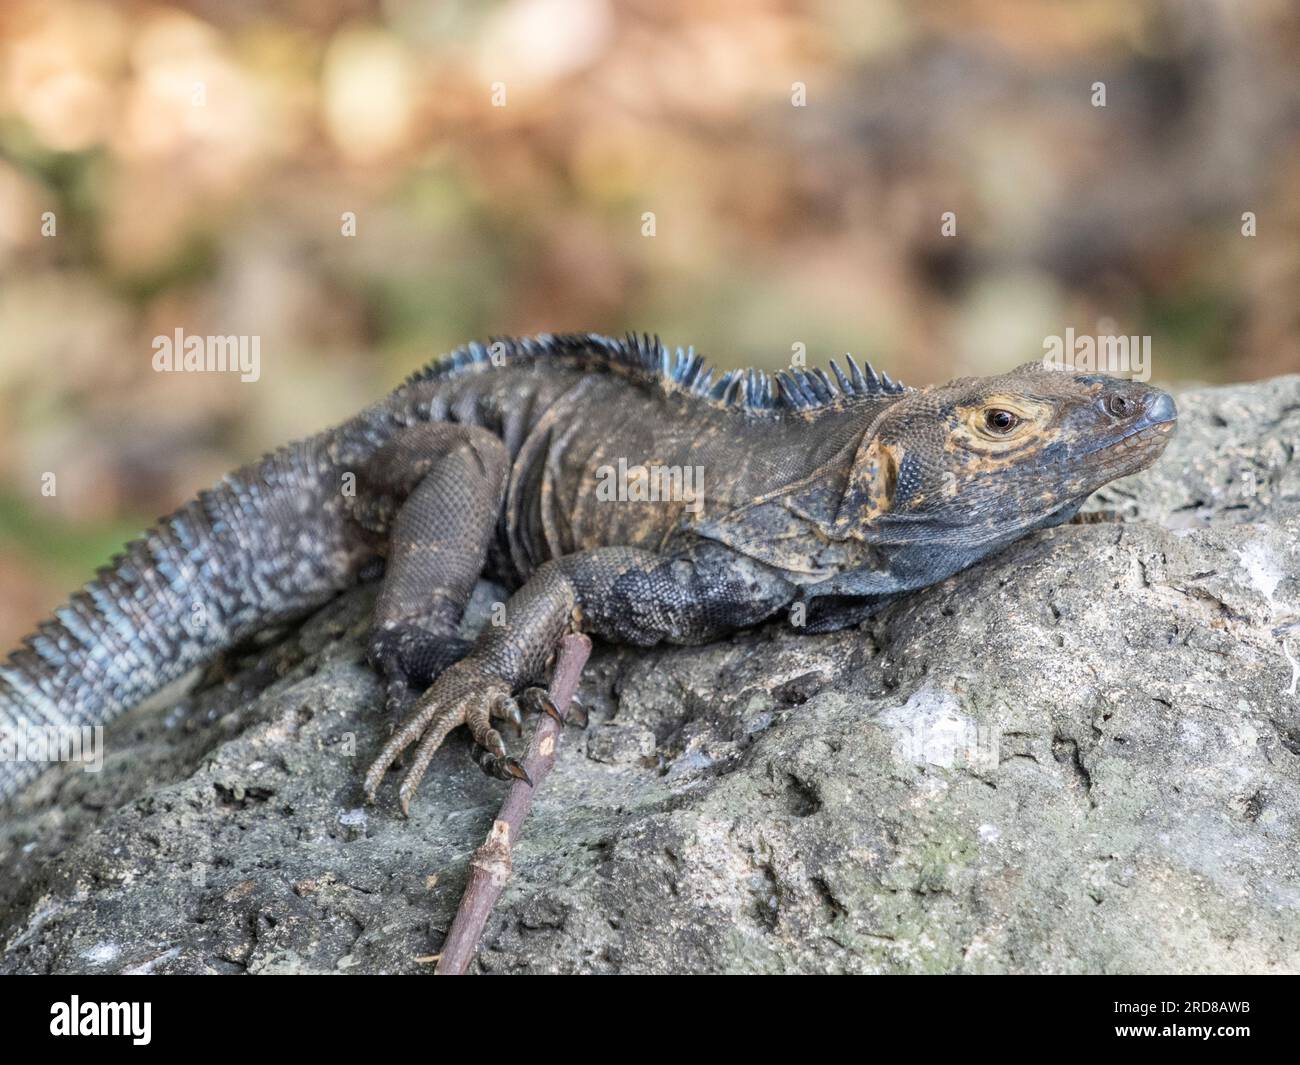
(821, 498)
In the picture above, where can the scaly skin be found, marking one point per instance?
(821, 498)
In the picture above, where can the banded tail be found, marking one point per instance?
(270, 542)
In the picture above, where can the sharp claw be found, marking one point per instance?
(510, 712)
(373, 779)
(375, 776)
(506, 709)
(577, 713)
(407, 791)
(517, 771)
(550, 709)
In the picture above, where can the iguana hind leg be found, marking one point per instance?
(450, 480)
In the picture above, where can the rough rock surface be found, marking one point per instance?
(1082, 756)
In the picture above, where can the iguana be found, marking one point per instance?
(821, 495)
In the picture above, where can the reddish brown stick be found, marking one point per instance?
(489, 869)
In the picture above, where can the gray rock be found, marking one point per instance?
(1083, 756)
(620, 744)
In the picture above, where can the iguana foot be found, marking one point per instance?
(463, 695)
(534, 700)
(481, 686)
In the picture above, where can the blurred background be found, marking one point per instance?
(500, 158)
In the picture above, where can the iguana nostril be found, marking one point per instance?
(1161, 409)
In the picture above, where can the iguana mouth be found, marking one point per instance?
(1148, 432)
(1135, 439)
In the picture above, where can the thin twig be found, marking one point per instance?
(489, 869)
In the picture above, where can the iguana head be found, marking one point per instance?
(942, 477)
(983, 459)
(946, 476)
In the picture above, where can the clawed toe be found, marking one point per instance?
(482, 709)
(501, 768)
(508, 710)
(399, 698)
(577, 713)
(538, 700)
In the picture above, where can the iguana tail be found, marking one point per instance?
(270, 542)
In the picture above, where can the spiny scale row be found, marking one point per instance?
(750, 389)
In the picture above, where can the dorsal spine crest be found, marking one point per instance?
(680, 369)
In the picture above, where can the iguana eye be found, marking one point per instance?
(1117, 405)
(1000, 421)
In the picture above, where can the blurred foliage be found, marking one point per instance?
(198, 158)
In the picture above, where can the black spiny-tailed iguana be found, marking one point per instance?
(821, 496)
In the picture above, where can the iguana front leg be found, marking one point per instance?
(624, 594)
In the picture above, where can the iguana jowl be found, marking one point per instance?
(822, 496)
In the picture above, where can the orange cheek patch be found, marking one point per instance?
(880, 473)
(872, 484)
